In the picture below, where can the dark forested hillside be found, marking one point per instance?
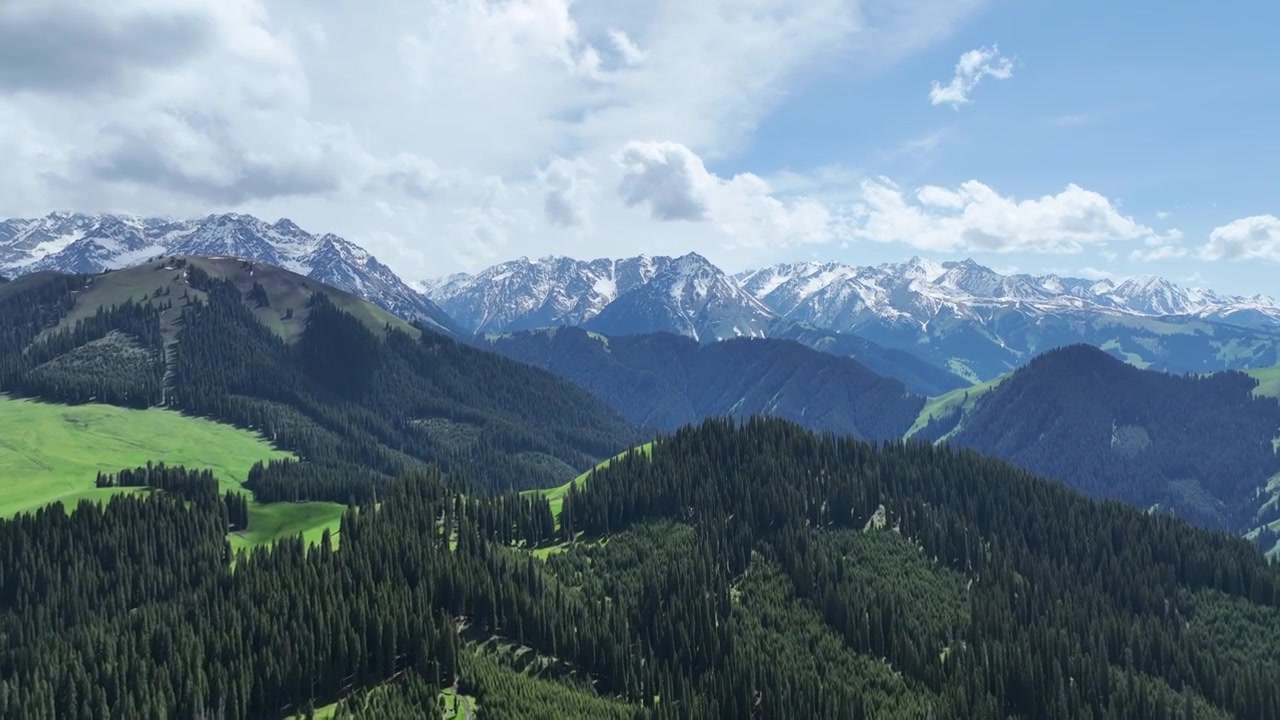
(736, 571)
(357, 404)
(1201, 447)
(665, 381)
(920, 376)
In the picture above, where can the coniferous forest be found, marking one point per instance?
(753, 570)
(359, 407)
(742, 568)
(1199, 446)
(665, 381)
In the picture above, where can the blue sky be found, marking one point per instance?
(455, 134)
(1166, 108)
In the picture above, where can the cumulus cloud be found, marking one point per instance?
(431, 145)
(1160, 247)
(974, 217)
(1093, 273)
(673, 183)
(626, 47)
(667, 178)
(63, 47)
(198, 155)
(568, 192)
(972, 67)
(1250, 238)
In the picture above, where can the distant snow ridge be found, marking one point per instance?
(71, 242)
(841, 297)
(686, 295)
(524, 294)
(690, 297)
(693, 297)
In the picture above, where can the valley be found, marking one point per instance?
(467, 512)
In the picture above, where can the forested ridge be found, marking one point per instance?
(664, 381)
(753, 570)
(358, 406)
(919, 375)
(1199, 446)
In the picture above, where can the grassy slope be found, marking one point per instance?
(51, 452)
(1268, 381)
(63, 447)
(556, 494)
(939, 406)
(466, 707)
(272, 521)
(57, 450)
(286, 290)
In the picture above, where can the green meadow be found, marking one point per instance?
(51, 453)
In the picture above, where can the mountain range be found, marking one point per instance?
(1198, 447)
(664, 381)
(934, 326)
(960, 316)
(80, 243)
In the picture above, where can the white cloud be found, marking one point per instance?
(972, 67)
(435, 133)
(626, 47)
(667, 178)
(1093, 273)
(1250, 238)
(974, 217)
(569, 190)
(672, 183)
(1160, 247)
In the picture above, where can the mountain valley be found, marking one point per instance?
(664, 381)
(440, 499)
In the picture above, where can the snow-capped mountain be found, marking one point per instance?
(686, 295)
(979, 323)
(962, 317)
(526, 294)
(689, 297)
(71, 242)
(842, 297)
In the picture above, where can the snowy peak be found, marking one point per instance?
(689, 296)
(843, 298)
(70, 242)
(1152, 295)
(524, 294)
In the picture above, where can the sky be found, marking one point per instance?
(1090, 138)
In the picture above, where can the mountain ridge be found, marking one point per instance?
(83, 243)
(1199, 446)
(691, 297)
(958, 316)
(665, 381)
